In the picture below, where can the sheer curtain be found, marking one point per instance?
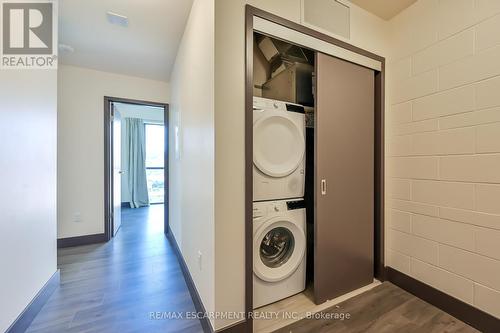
(135, 146)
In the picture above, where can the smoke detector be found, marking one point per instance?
(117, 19)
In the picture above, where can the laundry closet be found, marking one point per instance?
(313, 175)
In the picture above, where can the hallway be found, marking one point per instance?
(114, 286)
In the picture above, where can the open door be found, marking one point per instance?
(117, 169)
(113, 171)
(344, 177)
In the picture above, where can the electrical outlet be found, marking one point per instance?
(200, 255)
(77, 217)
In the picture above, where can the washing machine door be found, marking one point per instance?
(279, 247)
(278, 145)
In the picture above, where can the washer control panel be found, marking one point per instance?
(266, 208)
(295, 204)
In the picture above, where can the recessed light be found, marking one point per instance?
(117, 19)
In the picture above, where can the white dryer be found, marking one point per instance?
(278, 150)
(279, 250)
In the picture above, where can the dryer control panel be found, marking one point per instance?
(260, 103)
(268, 104)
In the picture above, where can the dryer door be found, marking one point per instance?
(278, 145)
(279, 247)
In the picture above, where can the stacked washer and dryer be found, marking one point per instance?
(279, 214)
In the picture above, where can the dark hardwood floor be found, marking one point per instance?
(114, 287)
(384, 309)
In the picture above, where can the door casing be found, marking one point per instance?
(108, 161)
(117, 171)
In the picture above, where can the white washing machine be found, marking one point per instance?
(279, 250)
(278, 150)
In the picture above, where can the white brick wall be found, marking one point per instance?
(443, 148)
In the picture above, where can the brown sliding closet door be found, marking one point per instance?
(344, 176)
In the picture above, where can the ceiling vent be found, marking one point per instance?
(66, 48)
(117, 19)
(327, 16)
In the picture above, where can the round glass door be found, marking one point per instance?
(278, 146)
(277, 247)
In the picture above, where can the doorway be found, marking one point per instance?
(136, 161)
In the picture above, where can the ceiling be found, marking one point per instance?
(385, 9)
(146, 48)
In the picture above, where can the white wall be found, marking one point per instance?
(28, 132)
(192, 168)
(150, 114)
(443, 161)
(367, 31)
(81, 141)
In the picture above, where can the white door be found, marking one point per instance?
(117, 170)
(278, 145)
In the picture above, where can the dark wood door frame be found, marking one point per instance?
(108, 160)
(379, 266)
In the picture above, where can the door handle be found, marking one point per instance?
(323, 186)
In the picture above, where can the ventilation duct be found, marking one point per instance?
(282, 55)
